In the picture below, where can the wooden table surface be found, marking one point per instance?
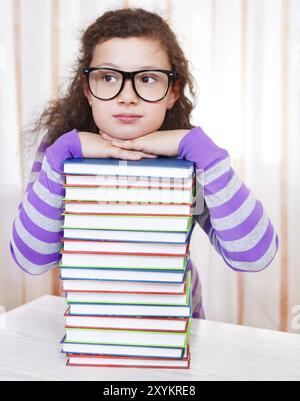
(30, 350)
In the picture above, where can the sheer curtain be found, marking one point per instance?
(245, 57)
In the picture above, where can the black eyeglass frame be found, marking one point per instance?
(172, 77)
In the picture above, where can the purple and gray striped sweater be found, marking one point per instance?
(234, 220)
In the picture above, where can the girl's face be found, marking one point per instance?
(130, 54)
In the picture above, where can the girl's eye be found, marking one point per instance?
(147, 79)
(108, 78)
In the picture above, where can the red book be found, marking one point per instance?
(129, 361)
(171, 324)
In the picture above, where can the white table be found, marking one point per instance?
(30, 350)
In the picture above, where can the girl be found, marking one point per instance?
(127, 100)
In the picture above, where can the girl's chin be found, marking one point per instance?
(126, 133)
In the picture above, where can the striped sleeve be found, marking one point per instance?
(36, 235)
(235, 221)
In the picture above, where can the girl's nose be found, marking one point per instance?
(128, 94)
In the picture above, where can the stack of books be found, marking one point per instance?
(124, 266)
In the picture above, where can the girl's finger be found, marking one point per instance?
(122, 153)
(125, 154)
(148, 155)
(125, 144)
(143, 154)
(106, 136)
(129, 144)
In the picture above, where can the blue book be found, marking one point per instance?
(159, 167)
(135, 236)
(121, 350)
(125, 309)
(124, 274)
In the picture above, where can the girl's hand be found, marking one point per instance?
(94, 146)
(163, 143)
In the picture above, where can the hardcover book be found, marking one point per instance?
(125, 262)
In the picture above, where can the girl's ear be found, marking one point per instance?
(86, 90)
(174, 93)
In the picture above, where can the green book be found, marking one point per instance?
(129, 223)
(129, 337)
(119, 298)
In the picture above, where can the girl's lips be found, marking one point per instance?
(127, 118)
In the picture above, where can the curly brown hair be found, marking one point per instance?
(73, 111)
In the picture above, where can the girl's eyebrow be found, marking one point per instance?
(145, 67)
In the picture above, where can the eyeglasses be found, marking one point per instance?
(149, 85)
